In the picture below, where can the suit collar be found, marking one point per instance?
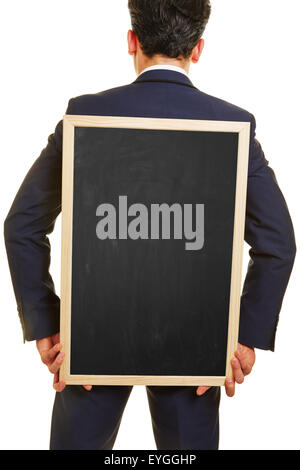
(164, 75)
(165, 67)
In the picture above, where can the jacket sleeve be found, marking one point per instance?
(269, 232)
(30, 219)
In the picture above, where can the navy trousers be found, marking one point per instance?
(181, 420)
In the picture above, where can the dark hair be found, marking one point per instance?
(169, 27)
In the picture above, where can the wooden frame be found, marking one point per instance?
(72, 121)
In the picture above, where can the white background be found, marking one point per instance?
(54, 50)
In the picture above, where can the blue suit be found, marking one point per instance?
(268, 231)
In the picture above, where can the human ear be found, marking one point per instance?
(132, 42)
(197, 51)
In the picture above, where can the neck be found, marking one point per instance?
(143, 62)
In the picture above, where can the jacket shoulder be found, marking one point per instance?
(225, 110)
(90, 101)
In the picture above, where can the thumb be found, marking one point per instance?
(201, 390)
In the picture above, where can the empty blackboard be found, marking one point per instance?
(152, 233)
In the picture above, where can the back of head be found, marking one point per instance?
(169, 27)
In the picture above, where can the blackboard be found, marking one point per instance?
(153, 221)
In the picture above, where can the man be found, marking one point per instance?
(165, 39)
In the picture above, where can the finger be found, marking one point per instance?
(57, 384)
(56, 338)
(237, 371)
(230, 387)
(48, 355)
(88, 387)
(201, 390)
(55, 366)
(246, 367)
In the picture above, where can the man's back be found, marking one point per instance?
(158, 93)
(164, 94)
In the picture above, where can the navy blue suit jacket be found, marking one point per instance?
(163, 94)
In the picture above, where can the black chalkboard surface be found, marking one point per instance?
(152, 238)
